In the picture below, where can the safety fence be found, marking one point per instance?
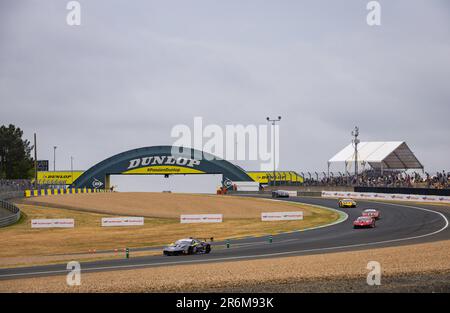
(11, 218)
(407, 191)
(47, 192)
(386, 196)
(6, 195)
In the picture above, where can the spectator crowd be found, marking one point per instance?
(440, 180)
(7, 185)
(15, 184)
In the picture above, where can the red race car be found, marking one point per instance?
(371, 213)
(364, 222)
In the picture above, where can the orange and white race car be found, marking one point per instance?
(371, 213)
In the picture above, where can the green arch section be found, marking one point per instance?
(159, 160)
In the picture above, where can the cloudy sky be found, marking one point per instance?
(134, 69)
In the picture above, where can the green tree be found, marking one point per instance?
(15, 154)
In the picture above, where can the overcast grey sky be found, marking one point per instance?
(134, 69)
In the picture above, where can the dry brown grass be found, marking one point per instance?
(164, 205)
(422, 260)
(14, 262)
(23, 245)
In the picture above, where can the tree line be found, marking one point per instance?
(16, 161)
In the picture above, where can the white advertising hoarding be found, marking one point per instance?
(122, 221)
(52, 223)
(200, 218)
(384, 196)
(281, 216)
(292, 193)
(246, 186)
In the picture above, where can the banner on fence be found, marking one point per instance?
(201, 218)
(122, 221)
(281, 216)
(52, 223)
(384, 196)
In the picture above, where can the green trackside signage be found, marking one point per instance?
(159, 160)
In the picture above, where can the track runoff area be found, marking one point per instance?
(400, 224)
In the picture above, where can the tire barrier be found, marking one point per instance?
(13, 217)
(47, 192)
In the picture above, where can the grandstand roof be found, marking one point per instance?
(385, 154)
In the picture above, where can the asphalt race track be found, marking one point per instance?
(399, 224)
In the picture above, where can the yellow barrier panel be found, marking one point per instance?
(78, 190)
(35, 193)
(42, 192)
(27, 193)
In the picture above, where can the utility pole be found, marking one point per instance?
(35, 162)
(54, 158)
(355, 141)
(273, 121)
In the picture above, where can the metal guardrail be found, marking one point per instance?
(11, 219)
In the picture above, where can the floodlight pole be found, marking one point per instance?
(54, 158)
(71, 167)
(355, 134)
(273, 121)
(35, 162)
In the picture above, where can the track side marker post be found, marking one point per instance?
(127, 253)
(228, 243)
(270, 238)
